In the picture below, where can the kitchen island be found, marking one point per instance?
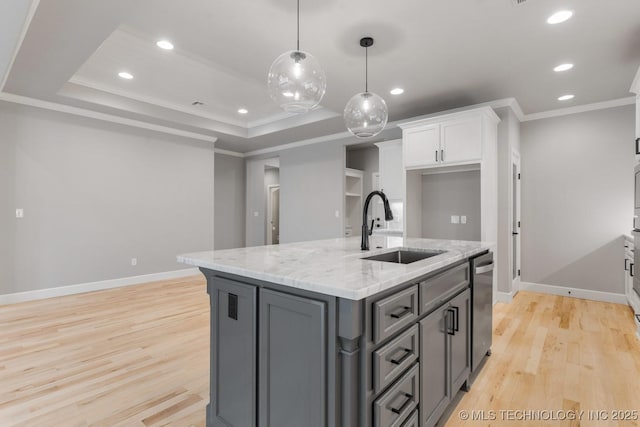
(311, 334)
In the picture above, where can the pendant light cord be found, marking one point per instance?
(366, 69)
(298, 45)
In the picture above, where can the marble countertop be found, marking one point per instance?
(335, 266)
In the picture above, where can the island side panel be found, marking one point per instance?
(233, 336)
(331, 382)
(350, 332)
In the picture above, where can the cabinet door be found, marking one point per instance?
(233, 354)
(434, 393)
(462, 140)
(292, 361)
(421, 147)
(460, 340)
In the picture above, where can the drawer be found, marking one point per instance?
(412, 421)
(393, 407)
(394, 313)
(394, 358)
(435, 290)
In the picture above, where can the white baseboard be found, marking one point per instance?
(506, 297)
(94, 286)
(575, 293)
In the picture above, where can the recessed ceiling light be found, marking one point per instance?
(566, 97)
(164, 44)
(559, 17)
(396, 91)
(243, 111)
(125, 75)
(563, 67)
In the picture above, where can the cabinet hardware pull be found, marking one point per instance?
(450, 329)
(631, 269)
(442, 155)
(637, 145)
(436, 155)
(626, 266)
(407, 353)
(406, 311)
(404, 405)
(456, 319)
(638, 317)
(484, 269)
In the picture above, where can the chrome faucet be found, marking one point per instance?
(388, 216)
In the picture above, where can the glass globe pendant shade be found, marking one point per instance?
(296, 82)
(366, 115)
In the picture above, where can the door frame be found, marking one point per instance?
(515, 222)
(270, 189)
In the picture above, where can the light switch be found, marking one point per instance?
(19, 213)
(337, 214)
(256, 213)
(455, 219)
(134, 262)
(463, 219)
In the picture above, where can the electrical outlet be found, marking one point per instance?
(134, 262)
(455, 219)
(463, 219)
(19, 213)
(337, 214)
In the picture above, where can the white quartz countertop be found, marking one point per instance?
(335, 266)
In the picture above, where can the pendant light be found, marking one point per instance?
(366, 114)
(295, 81)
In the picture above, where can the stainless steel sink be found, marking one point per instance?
(404, 256)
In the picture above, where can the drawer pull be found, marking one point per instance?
(407, 353)
(406, 311)
(404, 405)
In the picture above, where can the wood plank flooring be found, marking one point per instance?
(138, 356)
(132, 356)
(555, 354)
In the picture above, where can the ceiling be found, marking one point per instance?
(445, 54)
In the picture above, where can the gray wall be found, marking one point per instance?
(446, 194)
(367, 160)
(577, 198)
(230, 187)
(311, 191)
(96, 195)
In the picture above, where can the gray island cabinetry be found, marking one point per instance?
(312, 336)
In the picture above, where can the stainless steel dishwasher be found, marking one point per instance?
(482, 311)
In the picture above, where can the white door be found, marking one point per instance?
(421, 147)
(515, 221)
(461, 140)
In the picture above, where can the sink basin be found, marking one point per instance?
(404, 256)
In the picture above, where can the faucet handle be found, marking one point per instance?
(371, 228)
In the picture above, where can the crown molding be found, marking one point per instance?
(25, 27)
(580, 109)
(23, 100)
(229, 153)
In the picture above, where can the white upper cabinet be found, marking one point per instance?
(450, 139)
(421, 146)
(635, 88)
(391, 169)
(461, 140)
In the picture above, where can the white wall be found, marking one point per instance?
(96, 195)
(230, 187)
(577, 198)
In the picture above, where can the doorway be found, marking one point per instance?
(273, 215)
(515, 221)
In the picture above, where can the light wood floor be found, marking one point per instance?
(138, 356)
